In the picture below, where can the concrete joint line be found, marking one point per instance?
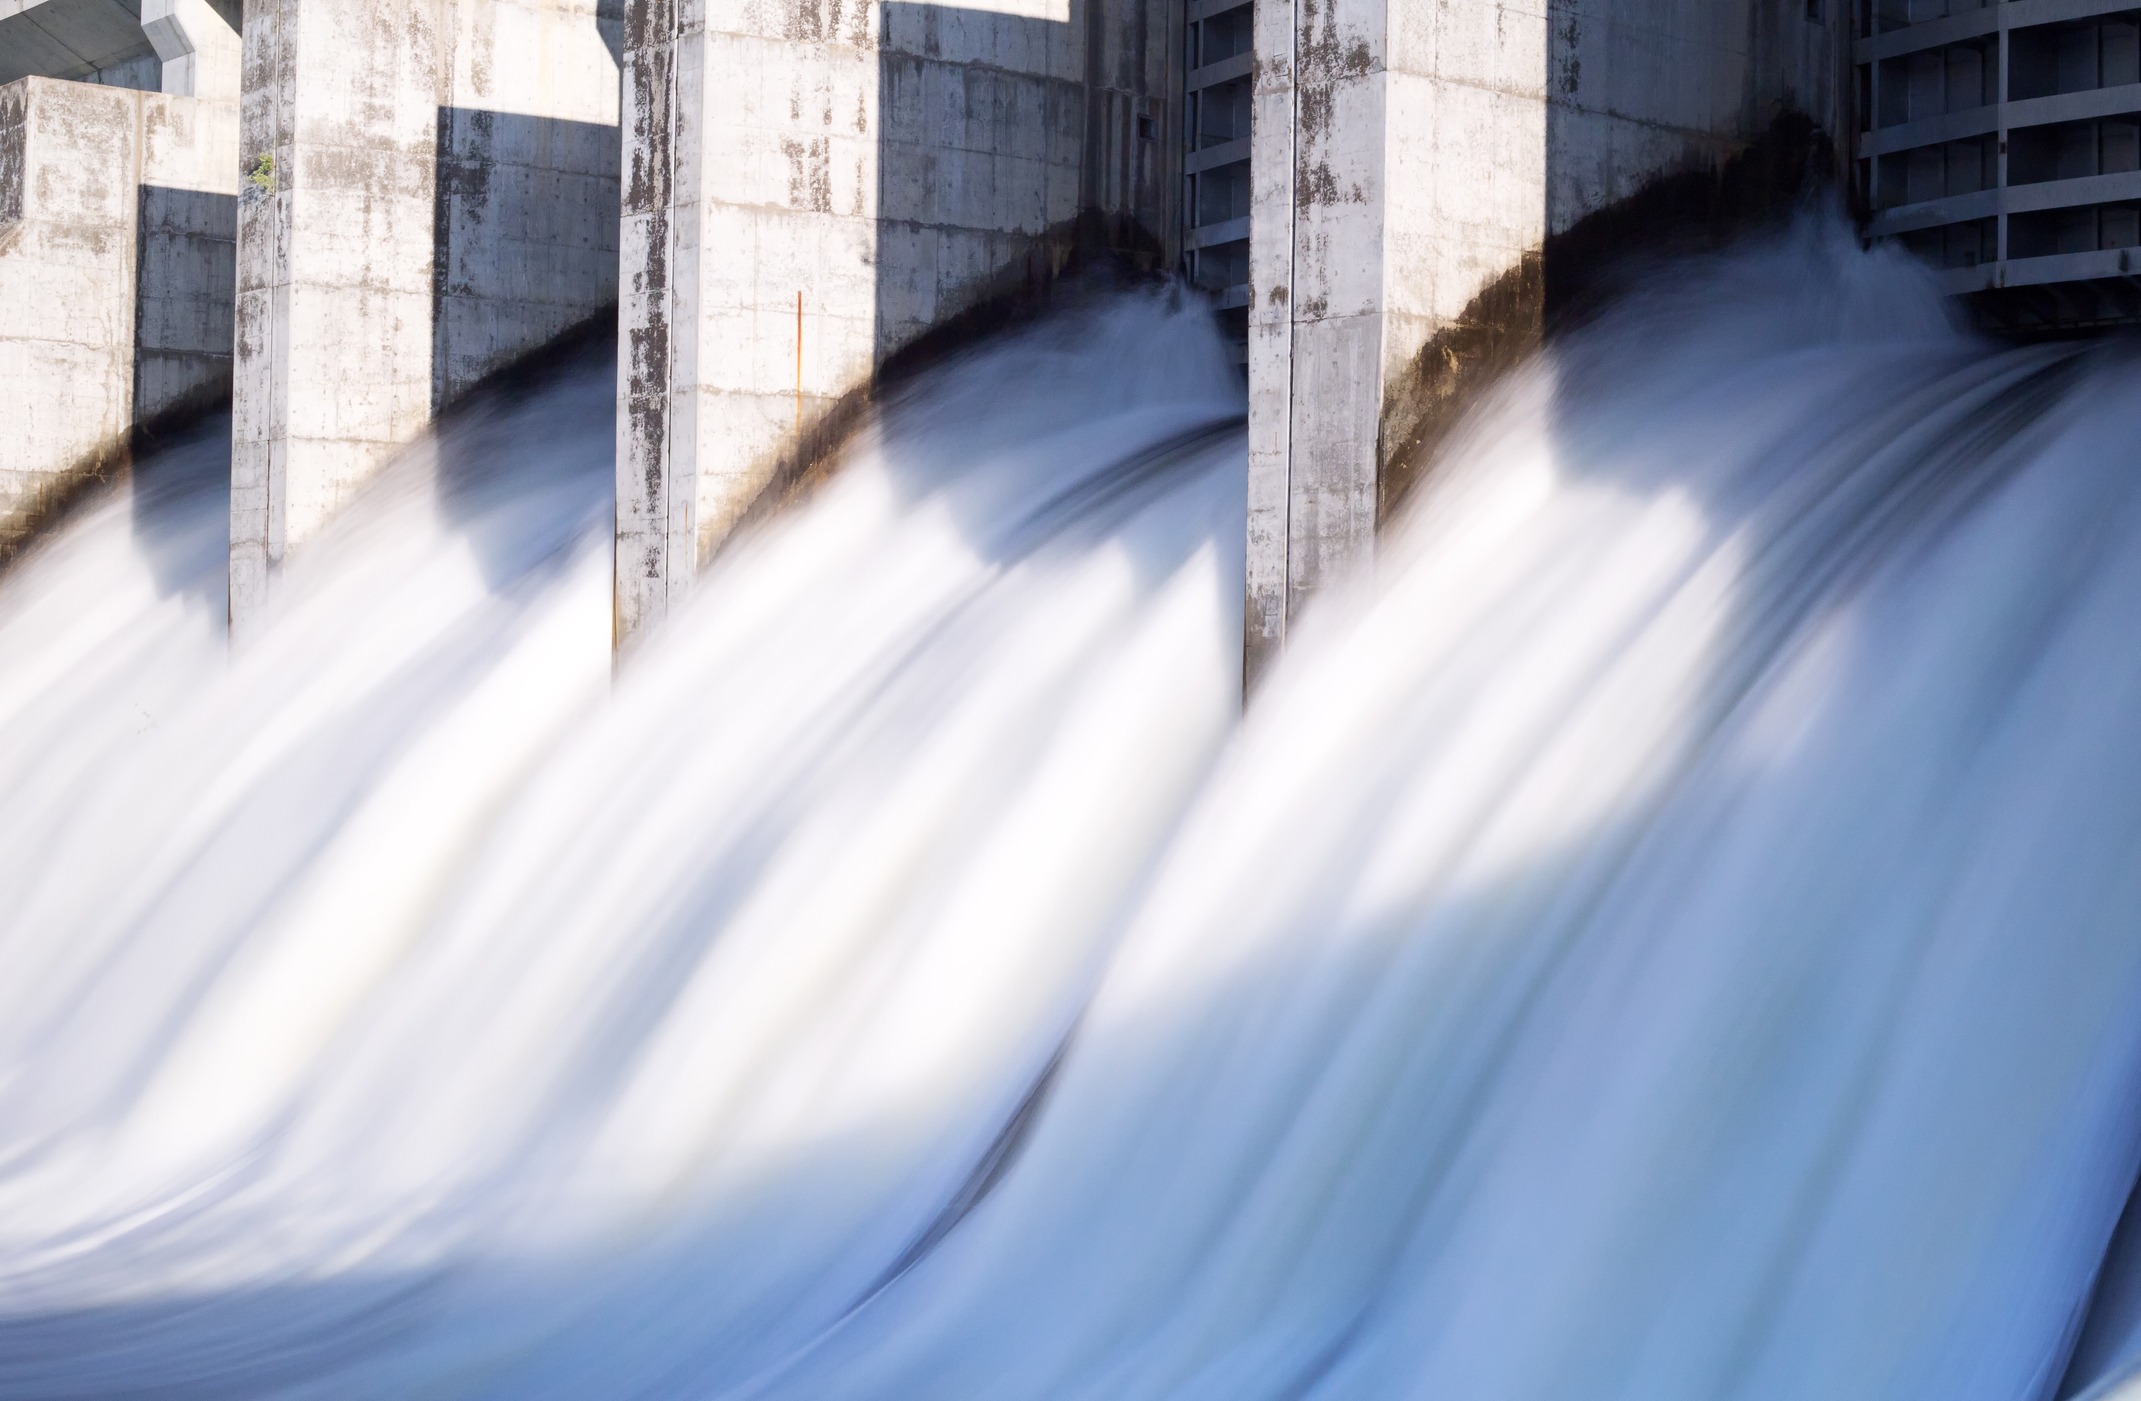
(1293, 303)
(670, 492)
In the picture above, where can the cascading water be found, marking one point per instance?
(1670, 934)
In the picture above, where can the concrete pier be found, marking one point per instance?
(813, 184)
(1411, 164)
(429, 190)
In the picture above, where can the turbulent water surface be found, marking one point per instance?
(1673, 932)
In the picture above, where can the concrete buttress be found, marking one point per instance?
(1412, 164)
(429, 191)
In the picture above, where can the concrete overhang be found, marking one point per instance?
(76, 38)
(68, 38)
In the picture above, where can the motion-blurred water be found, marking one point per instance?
(1674, 932)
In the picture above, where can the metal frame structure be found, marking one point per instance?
(2001, 141)
(1220, 62)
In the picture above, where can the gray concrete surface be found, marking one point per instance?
(430, 191)
(811, 185)
(1409, 159)
(116, 227)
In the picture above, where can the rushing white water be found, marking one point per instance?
(1671, 933)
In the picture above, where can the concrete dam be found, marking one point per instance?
(1067, 699)
(343, 218)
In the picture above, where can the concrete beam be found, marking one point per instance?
(813, 185)
(198, 48)
(430, 193)
(1411, 163)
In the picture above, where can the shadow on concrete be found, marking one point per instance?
(971, 137)
(525, 232)
(609, 23)
(185, 284)
(524, 327)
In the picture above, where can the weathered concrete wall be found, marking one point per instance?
(1409, 159)
(431, 192)
(116, 226)
(811, 185)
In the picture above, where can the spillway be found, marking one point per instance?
(1672, 931)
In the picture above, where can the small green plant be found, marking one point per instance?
(262, 173)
